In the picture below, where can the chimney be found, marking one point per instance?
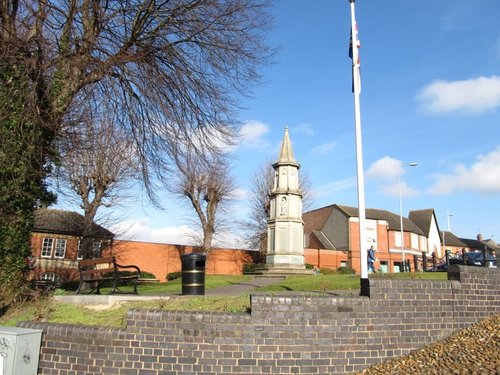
(479, 237)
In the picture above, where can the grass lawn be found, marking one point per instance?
(47, 310)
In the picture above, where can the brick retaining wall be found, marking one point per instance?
(283, 334)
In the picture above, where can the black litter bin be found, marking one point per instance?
(193, 274)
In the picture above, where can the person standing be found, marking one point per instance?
(371, 259)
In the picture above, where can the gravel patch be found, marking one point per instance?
(472, 351)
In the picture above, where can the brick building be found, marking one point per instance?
(56, 244)
(332, 238)
(334, 232)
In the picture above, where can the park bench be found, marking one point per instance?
(45, 286)
(98, 271)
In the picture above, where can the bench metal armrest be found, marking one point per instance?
(129, 266)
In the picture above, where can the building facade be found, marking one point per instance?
(336, 228)
(332, 239)
(56, 245)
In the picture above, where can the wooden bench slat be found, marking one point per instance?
(90, 272)
(97, 271)
(93, 262)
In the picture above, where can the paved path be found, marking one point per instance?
(242, 287)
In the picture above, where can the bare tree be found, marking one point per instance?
(208, 185)
(163, 67)
(97, 165)
(261, 185)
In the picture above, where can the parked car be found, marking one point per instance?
(476, 259)
(471, 259)
(444, 267)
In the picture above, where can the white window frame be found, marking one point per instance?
(47, 245)
(397, 239)
(53, 248)
(414, 240)
(423, 243)
(60, 248)
(79, 253)
(96, 249)
(50, 276)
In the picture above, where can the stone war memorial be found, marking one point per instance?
(285, 233)
(282, 333)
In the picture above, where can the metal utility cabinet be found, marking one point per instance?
(19, 350)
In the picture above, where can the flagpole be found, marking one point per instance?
(359, 150)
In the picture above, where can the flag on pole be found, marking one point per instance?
(354, 46)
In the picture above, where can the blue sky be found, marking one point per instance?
(430, 94)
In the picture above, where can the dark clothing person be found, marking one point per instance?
(371, 259)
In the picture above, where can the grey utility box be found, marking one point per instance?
(19, 350)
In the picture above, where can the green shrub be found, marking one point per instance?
(327, 271)
(249, 268)
(69, 285)
(309, 266)
(61, 292)
(173, 275)
(147, 275)
(346, 271)
(109, 283)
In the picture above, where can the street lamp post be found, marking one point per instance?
(401, 218)
(448, 214)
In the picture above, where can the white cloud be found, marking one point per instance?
(252, 133)
(385, 168)
(483, 176)
(392, 190)
(141, 230)
(473, 95)
(239, 193)
(325, 148)
(230, 240)
(391, 170)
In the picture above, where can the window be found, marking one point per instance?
(53, 247)
(414, 241)
(397, 267)
(397, 239)
(384, 266)
(79, 253)
(96, 249)
(60, 248)
(47, 247)
(50, 276)
(423, 243)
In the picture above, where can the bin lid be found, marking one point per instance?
(197, 256)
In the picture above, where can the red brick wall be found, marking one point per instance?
(162, 259)
(325, 258)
